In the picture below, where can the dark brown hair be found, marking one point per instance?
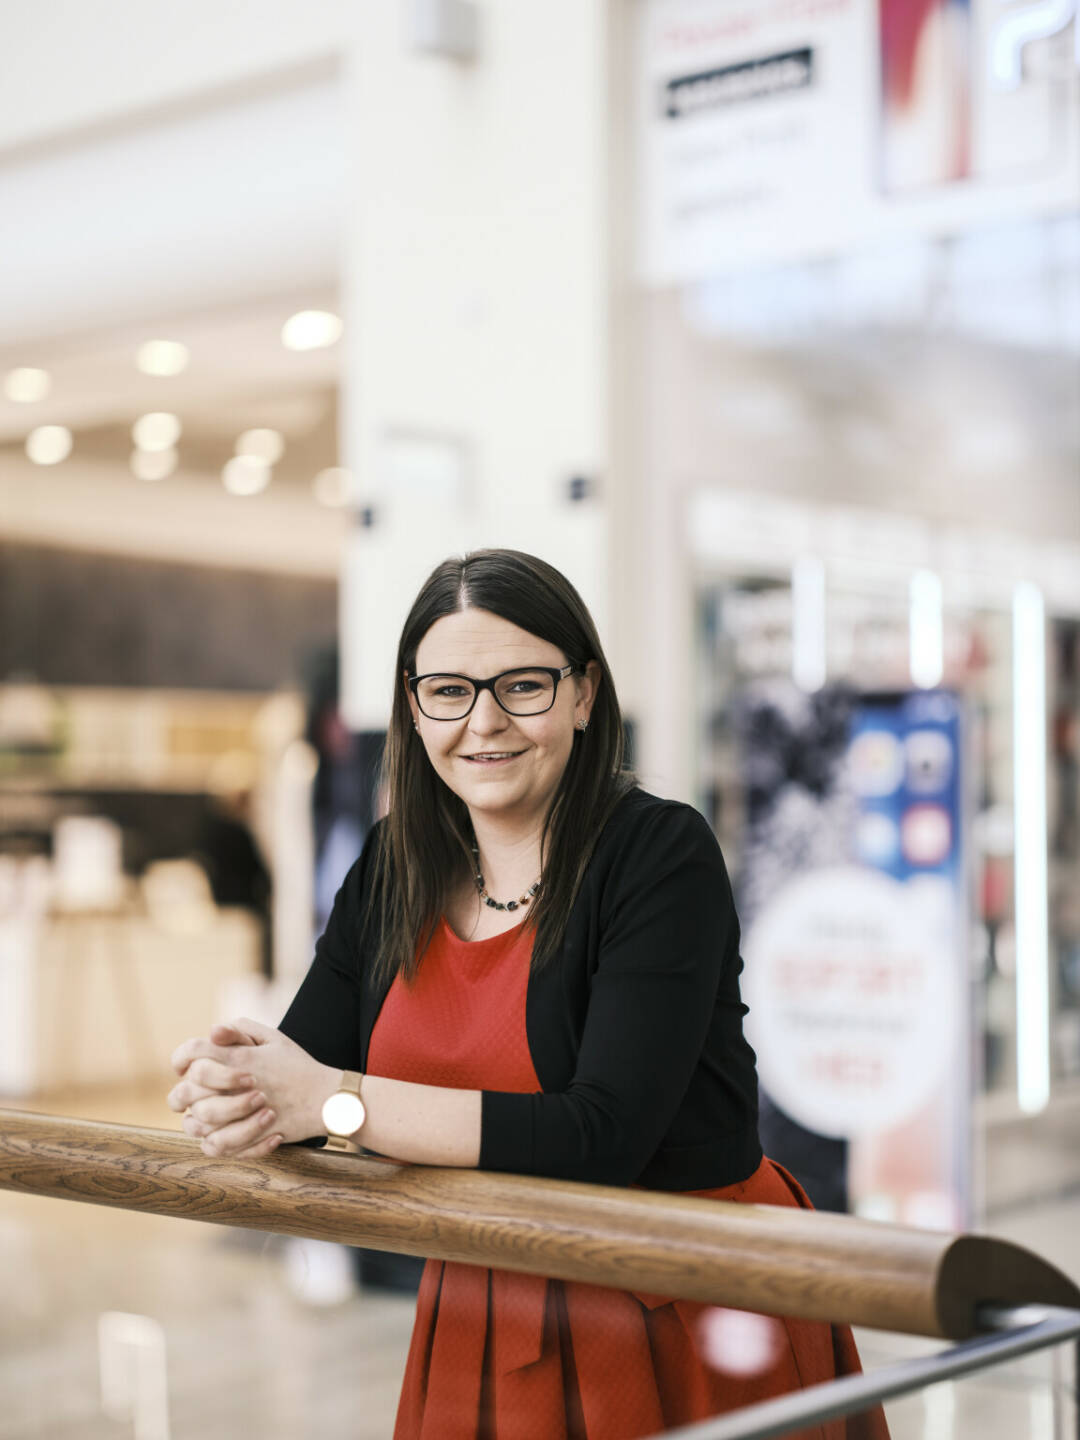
(424, 852)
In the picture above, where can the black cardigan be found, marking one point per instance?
(634, 1027)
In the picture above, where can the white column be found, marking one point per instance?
(477, 304)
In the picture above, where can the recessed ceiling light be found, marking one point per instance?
(49, 444)
(157, 431)
(265, 445)
(332, 487)
(153, 464)
(162, 357)
(26, 385)
(245, 475)
(311, 330)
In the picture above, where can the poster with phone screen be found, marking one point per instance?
(856, 947)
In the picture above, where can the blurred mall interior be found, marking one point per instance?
(761, 320)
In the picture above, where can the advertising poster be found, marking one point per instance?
(856, 946)
(779, 130)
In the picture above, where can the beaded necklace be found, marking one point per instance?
(481, 889)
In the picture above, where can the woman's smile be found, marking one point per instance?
(493, 757)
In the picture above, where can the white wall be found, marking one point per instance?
(478, 280)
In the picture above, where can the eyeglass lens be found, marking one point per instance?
(521, 692)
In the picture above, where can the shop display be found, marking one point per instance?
(133, 885)
(841, 807)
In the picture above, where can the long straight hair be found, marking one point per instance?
(424, 853)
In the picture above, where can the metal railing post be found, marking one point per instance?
(1017, 1331)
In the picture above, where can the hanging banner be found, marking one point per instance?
(778, 130)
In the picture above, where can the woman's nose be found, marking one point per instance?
(487, 714)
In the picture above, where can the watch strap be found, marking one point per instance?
(340, 1143)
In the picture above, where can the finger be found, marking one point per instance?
(218, 1075)
(229, 1139)
(217, 1110)
(219, 1151)
(198, 1048)
(260, 1148)
(254, 1032)
(229, 1035)
(186, 1092)
(196, 1128)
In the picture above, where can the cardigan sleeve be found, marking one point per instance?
(667, 935)
(324, 1017)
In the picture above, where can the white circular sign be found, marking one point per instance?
(853, 1000)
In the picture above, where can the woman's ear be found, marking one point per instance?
(587, 687)
(412, 700)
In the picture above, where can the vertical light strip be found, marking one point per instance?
(926, 630)
(808, 665)
(1030, 859)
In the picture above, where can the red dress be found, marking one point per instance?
(497, 1355)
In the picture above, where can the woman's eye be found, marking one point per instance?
(450, 692)
(524, 687)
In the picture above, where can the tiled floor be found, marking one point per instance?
(246, 1357)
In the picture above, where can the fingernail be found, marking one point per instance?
(246, 1080)
(275, 1141)
(258, 1098)
(266, 1117)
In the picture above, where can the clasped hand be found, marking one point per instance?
(246, 1088)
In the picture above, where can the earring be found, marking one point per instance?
(583, 725)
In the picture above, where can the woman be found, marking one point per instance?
(534, 966)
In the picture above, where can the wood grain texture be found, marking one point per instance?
(775, 1260)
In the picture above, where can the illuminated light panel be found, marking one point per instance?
(265, 445)
(26, 385)
(332, 487)
(153, 464)
(808, 664)
(311, 330)
(1029, 856)
(926, 630)
(49, 444)
(156, 431)
(162, 357)
(245, 475)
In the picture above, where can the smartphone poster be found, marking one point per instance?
(856, 950)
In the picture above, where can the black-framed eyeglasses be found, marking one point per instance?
(528, 691)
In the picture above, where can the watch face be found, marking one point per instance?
(343, 1113)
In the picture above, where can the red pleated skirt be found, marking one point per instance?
(501, 1356)
(497, 1355)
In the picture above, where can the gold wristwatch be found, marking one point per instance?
(344, 1113)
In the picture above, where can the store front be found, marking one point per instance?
(859, 322)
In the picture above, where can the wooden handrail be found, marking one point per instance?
(770, 1259)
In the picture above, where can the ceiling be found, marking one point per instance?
(239, 377)
(239, 374)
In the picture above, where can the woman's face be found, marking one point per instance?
(505, 766)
